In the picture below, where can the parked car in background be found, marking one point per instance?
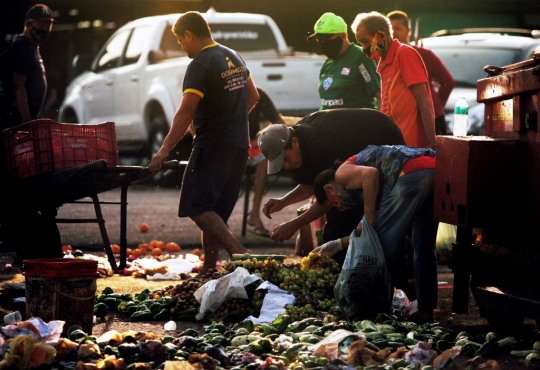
(136, 78)
(466, 52)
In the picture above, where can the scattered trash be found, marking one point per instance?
(170, 325)
(274, 303)
(13, 318)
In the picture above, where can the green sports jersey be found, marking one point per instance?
(349, 81)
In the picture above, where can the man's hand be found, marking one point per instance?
(329, 249)
(283, 232)
(271, 206)
(359, 229)
(157, 161)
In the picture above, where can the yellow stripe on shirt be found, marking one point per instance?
(194, 91)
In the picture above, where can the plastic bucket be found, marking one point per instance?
(61, 289)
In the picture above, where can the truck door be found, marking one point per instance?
(98, 92)
(126, 90)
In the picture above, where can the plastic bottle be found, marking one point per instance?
(461, 114)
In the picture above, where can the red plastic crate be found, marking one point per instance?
(58, 268)
(45, 145)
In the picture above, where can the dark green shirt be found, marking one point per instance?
(349, 81)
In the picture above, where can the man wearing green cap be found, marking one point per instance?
(348, 78)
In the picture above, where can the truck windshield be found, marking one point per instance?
(244, 37)
(467, 65)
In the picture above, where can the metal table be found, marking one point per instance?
(71, 185)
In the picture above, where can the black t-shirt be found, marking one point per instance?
(264, 110)
(219, 76)
(24, 58)
(336, 134)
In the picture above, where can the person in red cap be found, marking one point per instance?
(29, 83)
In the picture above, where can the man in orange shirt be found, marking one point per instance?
(404, 80)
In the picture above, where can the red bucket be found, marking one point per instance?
(61, 289)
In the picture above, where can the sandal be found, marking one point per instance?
(261, 231)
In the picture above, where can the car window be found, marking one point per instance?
(111, 55)
(169, 44)
(467, 65)
(244, 37)
(138, 39)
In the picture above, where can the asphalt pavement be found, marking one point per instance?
(158, 207)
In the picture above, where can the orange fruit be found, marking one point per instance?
(143, 227)
(160, 244)
(143, 247)
(156, 252)
(115, 248)
(196, 252)
(152, 244)
(172, 247)
(201, 257)
(66, 248)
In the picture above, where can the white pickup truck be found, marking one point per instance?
(136, 79)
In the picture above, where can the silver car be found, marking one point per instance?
(466, 52)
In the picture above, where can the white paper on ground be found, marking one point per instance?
(192, 257)
(273, 304)
(168, 276)
(179, 265)
(175, 265)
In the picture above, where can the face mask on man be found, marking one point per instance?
(39, 35)
(374, 51)
(332, 48)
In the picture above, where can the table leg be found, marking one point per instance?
(103, 231)
(460, 263)
(123, 225)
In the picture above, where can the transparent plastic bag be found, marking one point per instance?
(364, 287)
(446, 235)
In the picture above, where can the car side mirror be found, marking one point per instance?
(81, 63)
(155, 56)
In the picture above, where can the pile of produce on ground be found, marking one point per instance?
(311, 281)
(310, 343)
(310, 334)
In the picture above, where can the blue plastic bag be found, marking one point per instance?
(364, 288)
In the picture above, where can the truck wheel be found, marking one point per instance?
(180, 152)
(70, 117)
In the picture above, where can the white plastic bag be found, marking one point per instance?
(364, 287)
(212, 294)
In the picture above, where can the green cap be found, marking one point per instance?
(328, 24)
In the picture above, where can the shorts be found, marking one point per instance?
(212, 181)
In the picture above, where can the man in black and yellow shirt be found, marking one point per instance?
(218, 95)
